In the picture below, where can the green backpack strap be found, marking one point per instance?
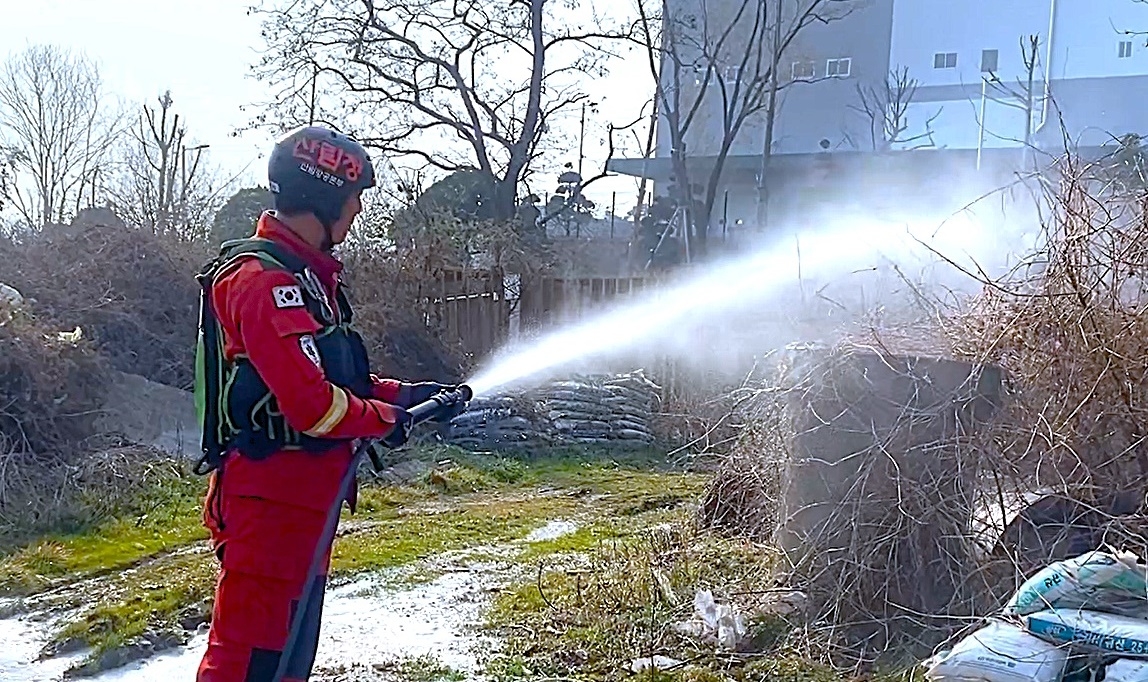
(210, 368)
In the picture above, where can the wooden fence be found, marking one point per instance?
(474, 308)
(547, 301)
(471, 309)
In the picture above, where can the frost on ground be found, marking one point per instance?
(385, 626)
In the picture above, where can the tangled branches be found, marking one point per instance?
(1071, 333)
(911, 494)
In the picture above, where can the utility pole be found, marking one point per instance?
(770, 117)
(187, 176)
(581, 139)
(311, 107)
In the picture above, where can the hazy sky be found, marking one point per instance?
(199, 49)
(202, 50)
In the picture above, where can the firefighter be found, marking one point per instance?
(285, 392)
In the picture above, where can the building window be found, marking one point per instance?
(804, 70)
(989, 60)
(838, 68)
(1125, 49)
(945, 60)
(732, 74)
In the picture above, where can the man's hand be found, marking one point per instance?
(422, 391)
(402, 430)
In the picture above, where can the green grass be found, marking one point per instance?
(407, 537)
(639, 576)
(426, 668)
(150, 572)
(153, 598)
(166, 516)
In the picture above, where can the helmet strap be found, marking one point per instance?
(328, 241)
(327, 220)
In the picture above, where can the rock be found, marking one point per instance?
(783, 604)
(10, 297)
(656, 662)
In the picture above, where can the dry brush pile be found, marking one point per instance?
(51, 389)
(894, 480)
(133, 296)
(130, 291)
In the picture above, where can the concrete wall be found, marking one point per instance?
(1095, 81)
(149, 413)
(810, 111)
(821, 110)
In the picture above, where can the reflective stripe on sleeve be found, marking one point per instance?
(334, 415)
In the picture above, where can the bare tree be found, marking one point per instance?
(646, 147)
(887, 110)
(455, 84)
(720, 65)
(59, 125)
(163, 183)
(1022, 94)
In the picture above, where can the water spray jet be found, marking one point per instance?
(720, 290)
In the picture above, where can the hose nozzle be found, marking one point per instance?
(441, 403)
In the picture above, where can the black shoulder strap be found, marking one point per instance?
(346, 314)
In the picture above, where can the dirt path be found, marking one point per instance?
(415, 571)
(400, 622)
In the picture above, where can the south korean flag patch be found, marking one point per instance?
(307, 343)
(288, 296)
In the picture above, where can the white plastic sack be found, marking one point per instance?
(999, 652)
(721, 619)
(1102, 632)
(1096, 580)
(1126, 670)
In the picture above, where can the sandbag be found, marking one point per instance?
(1091, 630)
(1096, 580)
(590, 409)
(629, 434)
(633, 424)
(999, 652)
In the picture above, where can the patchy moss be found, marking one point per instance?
(785, 666)
(402, 538)
(426, 668)
(582, 540)
(154, 576)
(164, 517)
(159, 600)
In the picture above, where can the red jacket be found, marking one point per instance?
(254, 325)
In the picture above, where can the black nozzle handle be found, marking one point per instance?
(429, 408)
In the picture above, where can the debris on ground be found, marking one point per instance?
(590, 409)
(720, 624)
(639, 665)
(1073, 619)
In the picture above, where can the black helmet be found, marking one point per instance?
(315, 169)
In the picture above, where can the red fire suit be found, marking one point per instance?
(266, 516)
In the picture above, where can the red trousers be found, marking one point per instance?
(265, 548)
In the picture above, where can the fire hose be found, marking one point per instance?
(429, 409)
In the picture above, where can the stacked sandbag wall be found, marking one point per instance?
(589, 409)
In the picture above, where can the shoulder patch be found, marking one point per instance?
(288, 296)
(307, 344)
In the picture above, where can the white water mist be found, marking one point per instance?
(732, 293)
